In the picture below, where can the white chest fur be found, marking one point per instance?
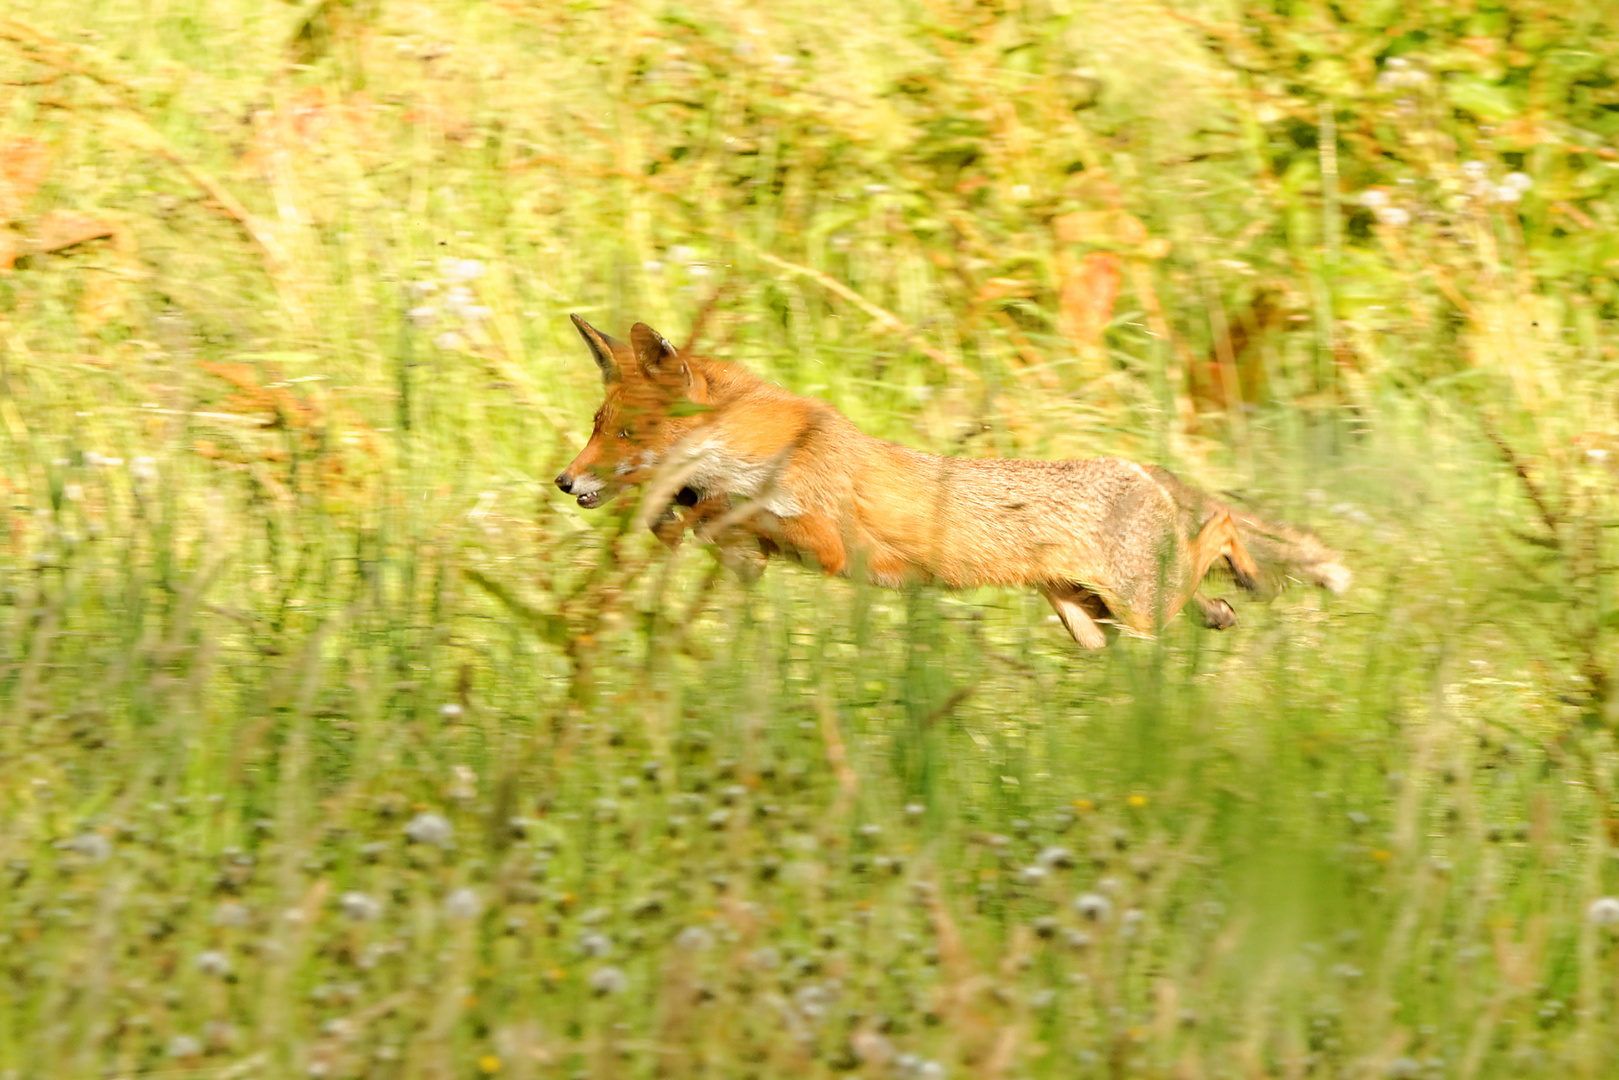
(716, 469)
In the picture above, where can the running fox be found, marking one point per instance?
(1112, 545)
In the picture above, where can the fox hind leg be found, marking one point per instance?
(1080, 611)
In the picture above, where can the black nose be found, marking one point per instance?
(565, 483)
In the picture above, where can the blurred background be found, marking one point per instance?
(336, 742)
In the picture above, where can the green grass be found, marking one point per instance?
(336, 742)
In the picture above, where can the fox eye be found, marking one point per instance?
(624, 434)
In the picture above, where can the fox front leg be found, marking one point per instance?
(737, 549)
(1214, 613)
(670, 528)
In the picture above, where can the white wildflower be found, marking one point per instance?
(1055, 856)
(93, 846)
(1094, 906)
(608, 980)
(461, 269)
(359, 907)
(1604, 911)
(694, 939)
(430, 828)
(213, 962)
(231, 913)
(463, 903)
(184, 1046)
(1393, 217)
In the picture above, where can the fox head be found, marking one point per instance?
(647, 381)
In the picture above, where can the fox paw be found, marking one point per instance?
(1217, 614)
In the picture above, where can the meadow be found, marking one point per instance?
(336, 742)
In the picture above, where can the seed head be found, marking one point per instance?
(93, 846)
(1055, 857)
(430, 828)
(1094, 906)
(230, 913)
(213, 962)
(359, 907)
(1604, 911)
(463, 903)
(694, 939)
(461, 269)
(184, 1046)
(608, 980)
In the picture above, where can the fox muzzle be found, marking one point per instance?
(586, 489)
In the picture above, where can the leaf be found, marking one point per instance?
(1087, 299)
(23, 164)
(103, 300)
(1542, 594)
(63, 229)
(1481, 98)
(1082, 227)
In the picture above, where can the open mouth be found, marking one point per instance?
(590, 500)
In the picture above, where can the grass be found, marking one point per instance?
(337, 743)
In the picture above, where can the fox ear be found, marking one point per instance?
(601, 347)
(658, 358)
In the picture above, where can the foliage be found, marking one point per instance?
(336, 743)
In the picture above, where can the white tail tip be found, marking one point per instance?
(1334, 577)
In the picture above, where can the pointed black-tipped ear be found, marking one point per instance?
(658, 358)
(601, 348)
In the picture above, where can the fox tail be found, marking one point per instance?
(1286, 554)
